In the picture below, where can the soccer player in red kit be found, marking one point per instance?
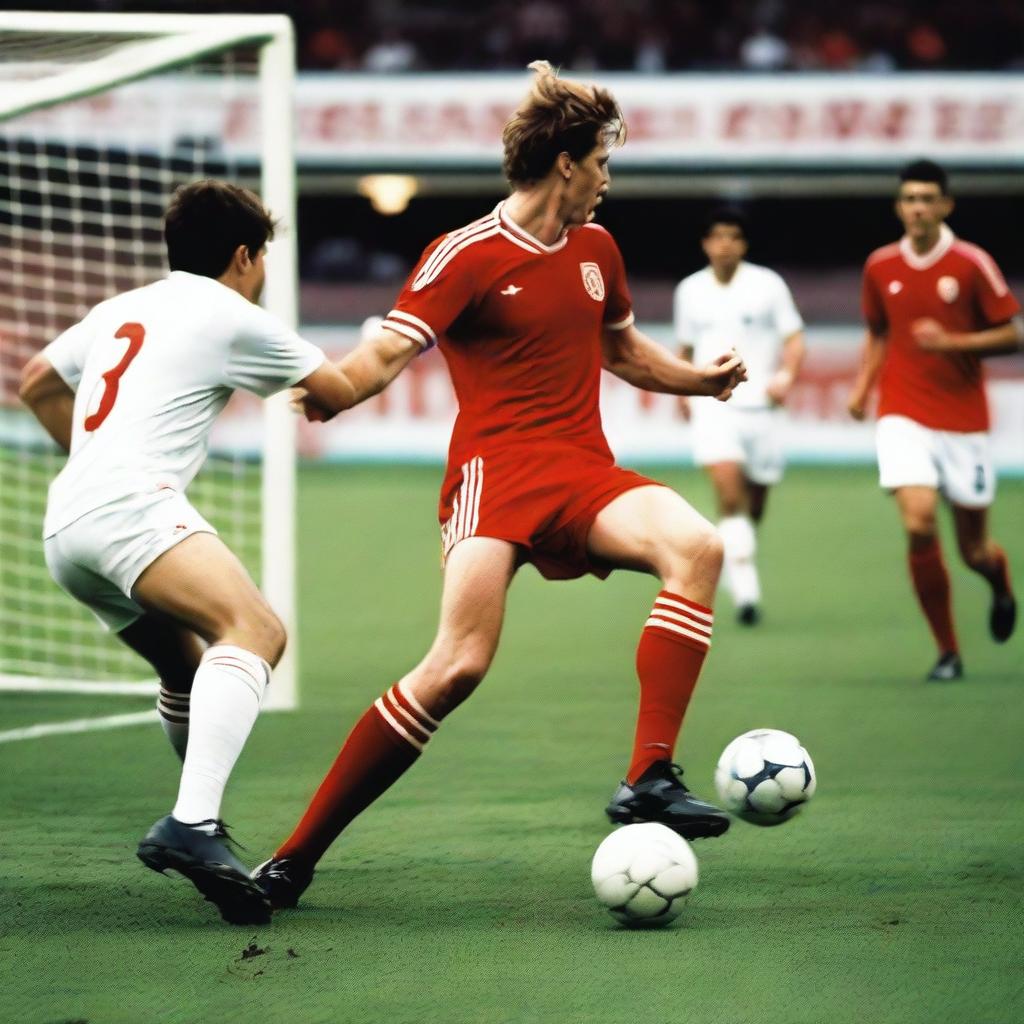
(527, 304)
(934, 306)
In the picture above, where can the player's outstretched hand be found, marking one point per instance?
(930, 335)
(723, 375)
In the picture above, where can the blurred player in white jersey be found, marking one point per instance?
(132, 391)
(735, 304)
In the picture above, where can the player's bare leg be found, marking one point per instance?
(988, 559)
(394, 730)
(654, 530)
(757, 499)
(202, 585)
(736, 526)
(477, 578)
(918, 508)
(175, 652)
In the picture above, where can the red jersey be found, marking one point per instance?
(519, 323)
(960, 286)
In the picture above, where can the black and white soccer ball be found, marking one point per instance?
(765, 776)
(643, 874)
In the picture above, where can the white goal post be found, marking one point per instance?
(51, 59)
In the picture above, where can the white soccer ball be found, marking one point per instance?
(765, 776)
(643, 874)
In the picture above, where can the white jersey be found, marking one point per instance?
(151, 370)
(754, 313)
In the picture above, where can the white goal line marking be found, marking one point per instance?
(23, 684)
(32, 732)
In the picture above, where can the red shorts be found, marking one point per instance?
(543, 499)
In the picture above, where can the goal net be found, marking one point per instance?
(101, 118)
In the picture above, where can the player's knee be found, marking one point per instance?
(463, 676)
(921, 535)
(706, 550)
(263, 633)
(974, 553)
(730, 505)
(696, 554)
(275, 639)
(920, 521)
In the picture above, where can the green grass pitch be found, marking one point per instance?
(463, 897)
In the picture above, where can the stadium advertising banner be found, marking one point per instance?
(418, 122)
(412, 420)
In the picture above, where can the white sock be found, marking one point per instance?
(226, 697)
(174, 714)
(739, 568)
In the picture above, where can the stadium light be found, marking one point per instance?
(388, 193)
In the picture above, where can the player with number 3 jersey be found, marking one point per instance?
(934, 306)
(151, 369)
(133, 390)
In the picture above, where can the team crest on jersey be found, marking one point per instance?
(593, 281)
(948, 288)
(895, 287)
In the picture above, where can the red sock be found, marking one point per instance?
(381, 748)
(931, 582)
(669, 657)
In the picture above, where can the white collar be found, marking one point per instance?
(933, 255)
(511, 226)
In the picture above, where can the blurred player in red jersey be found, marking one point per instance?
(934, 306)
(527, 305)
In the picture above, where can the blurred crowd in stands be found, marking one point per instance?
(639, 35)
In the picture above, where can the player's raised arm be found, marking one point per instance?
(642, 362)
(49, 397)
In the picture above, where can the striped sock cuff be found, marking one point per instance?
(406, 716)
(244, 665)
(173, 707)
(682, 620)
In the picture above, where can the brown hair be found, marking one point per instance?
(558, 116)
(208, 220)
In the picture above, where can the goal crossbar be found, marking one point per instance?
(179, 38)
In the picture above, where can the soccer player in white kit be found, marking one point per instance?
(735, 304)
(132, 391)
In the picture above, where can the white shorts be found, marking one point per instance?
(957, 464)
(98, 558)
(751, 437)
